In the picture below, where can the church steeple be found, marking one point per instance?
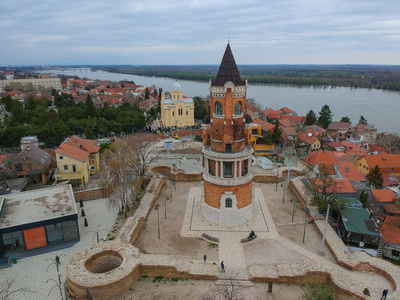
(228, 70)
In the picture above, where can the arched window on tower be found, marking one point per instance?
(218, 108)
(228, 202)
(238, 108)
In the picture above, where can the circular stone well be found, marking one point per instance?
(104, 261)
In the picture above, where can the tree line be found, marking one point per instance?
(377, 77)
(53, 122)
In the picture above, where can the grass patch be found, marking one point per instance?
(212, 245)
(158, 278)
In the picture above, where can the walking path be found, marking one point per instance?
(232, 253)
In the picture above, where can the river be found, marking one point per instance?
(380, 108)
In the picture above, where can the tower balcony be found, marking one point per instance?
(227, 169)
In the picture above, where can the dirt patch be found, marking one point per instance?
(150, 288)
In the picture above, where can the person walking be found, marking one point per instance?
(222, 267)
(205, 258)
(384, 294)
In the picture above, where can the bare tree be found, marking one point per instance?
(124, 165)
(9, 288)
(141, 153)
(228, 290)
(116, 175)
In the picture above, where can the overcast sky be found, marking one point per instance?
(196, 32)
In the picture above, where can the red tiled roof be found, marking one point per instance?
(335, 144)
(73, 151)
(252, 107)
(320, 156)
(287, 110)
(266, 125)
(295, 119)
(373, 148)
(354, 148)
(338, 125)
(285, 123)
(302, 136)
(391, 208)
(391, 230)
(267, 111)
(88, 145)
(383, 196)
(383, 160)
(324, 167)
(353, 173)
(387, 181)
(339, 186)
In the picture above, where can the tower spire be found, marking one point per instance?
(228, 70)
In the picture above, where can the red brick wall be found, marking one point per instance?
(91, 194)
(233, 129)
(213, 193)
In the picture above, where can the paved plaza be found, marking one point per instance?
(32, 272)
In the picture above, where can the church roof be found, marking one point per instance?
(228, 70)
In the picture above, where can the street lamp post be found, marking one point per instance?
(284, 189)
(305, 223)
(165, 215)
(326, 225)
(170, 189)
(174, 165)
(293, 200)
(276, 187)
(158, 218)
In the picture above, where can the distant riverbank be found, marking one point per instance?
(379, 107)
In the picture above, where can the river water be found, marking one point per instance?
(380, 108)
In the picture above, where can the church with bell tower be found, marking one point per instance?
(227, 151)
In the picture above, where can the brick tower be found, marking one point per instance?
(227, 151)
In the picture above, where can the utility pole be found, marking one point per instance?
(326, 225)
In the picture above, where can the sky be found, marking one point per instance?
(186, 32)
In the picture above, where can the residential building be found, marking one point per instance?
(391, 238)
(387, 163)
(77, 159)
(338, 130)
(308, 140)
(54, 83)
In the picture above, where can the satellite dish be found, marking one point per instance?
(361, 244)
(309, 134)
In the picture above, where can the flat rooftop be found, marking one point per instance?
(37, 205)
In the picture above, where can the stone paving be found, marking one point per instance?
(232, 253)
(32, 272)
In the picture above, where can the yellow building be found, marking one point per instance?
(77, 159)
(387, 163)
(54, 83)
(177, 110)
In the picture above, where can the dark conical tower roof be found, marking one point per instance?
(228, 70)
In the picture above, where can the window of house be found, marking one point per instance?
(173, 113)
(238, 108)
(228, 169)
(187, 113)
(65, 167)
(74, 168)
(61, 157)
(218, 108)
(392, 170)
(92, 157)
(228, 202)
(395, 253)
(228, 148)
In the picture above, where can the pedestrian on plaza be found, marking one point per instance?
(58, 260)
(205, 258)
(384, 294)
(222, 267)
